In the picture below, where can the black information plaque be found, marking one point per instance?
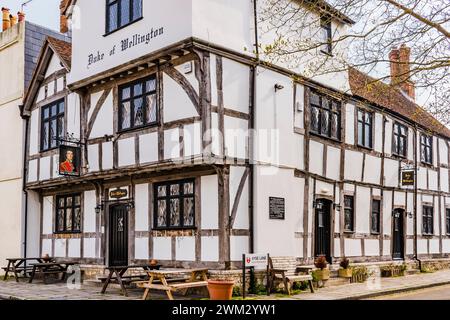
(276, 208)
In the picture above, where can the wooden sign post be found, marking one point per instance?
(254, 261)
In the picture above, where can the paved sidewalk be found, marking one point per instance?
(377, 287)
(372, 288)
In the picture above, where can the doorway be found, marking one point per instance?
(322, 239)
(118, 235)
(398, 234)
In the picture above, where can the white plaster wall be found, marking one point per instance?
(60, 248)
(446, 245)
(60, 84)
(50, 89)
(192, 139)
(350, 124)
(391, 173)
(422, 178)
(34, 132)
(299, 108)
(316, 156)
(409, 246)
(238, 246)
(185, 248)
(372, 169)
(141, 208)
(126, 152)
(353, 247)
(422, 246)
(387, 248)
(410, 147)
(47, 217)
(95, 98)
(55, 173)
(432, 179)
(378, 137)
(177, 104)
(444, 179)
(372, 247)
(215, 135)
(171, 144)
(353, 165)
(141, 248)
(443, 151)
(103, 124)
(162, 248)
(89, 248)
(93, 158)
(362, 210)
(434, 246)
(435, 151)
(148, 148)
(73, 114)
(387, 212)
(281, 184)
(107, 159)
(333, 163)
(34, 220)
(32, 170)
(89, 215)
(47, 247)
(209, 202)
(44, 168)
(236, 137)
(74, 248)
(210, 249)
(388, 139)
(337, 247)
(89, 34)
(242, 218)
(236, 85)
(53, 66)
(399, 198)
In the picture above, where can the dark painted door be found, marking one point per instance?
(398, 245)
(322, 241)
(118, 236)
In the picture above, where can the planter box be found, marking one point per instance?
(392, 273)
(345, 273)
(322, 274)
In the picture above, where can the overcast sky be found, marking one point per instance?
(42, 12)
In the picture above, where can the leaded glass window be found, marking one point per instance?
(349, 213)
(447, 220)
(175, 205)
(365, 123)
(325, 116)
(68, 214)
(52, 125)
(120, 13)
(400, 140)
(426, 149)
(427, 219)
(375, 217)
(326, 36)
(138, 104)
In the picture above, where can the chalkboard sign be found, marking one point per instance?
(276, 208)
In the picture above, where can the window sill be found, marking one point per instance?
(375, 233)
(364, 147)
(349, 232)
(175, 229)
(67, 232)
(147, 126)
(318, 135)
(122, 27)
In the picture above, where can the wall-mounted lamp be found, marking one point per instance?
(337, 207)
(99, 208)
(317, 205)
(130, 205)
(410, 215)
(278, 87)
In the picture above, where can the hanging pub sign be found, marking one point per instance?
(408, 178)
(276, 208)
(69, 160)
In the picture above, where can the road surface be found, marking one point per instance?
(435, 293)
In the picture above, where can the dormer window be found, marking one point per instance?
(120, 13)
(326, 36)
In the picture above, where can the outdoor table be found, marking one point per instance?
(197, 278)
(16, 265)
(120, 271)
(46, 268)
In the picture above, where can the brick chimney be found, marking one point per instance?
(21, 16)
(6, 19)
(401, 70)
(63, 22)
(13, 20)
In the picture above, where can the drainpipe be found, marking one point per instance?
(252, 135)
(415, 198)
(26, 118)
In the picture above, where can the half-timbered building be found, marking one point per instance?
(194, 150)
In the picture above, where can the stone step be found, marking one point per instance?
(412, 272)
(336, 281)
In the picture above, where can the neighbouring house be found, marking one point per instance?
(180, 145)
(20, 42)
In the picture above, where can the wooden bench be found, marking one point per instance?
(287, 270)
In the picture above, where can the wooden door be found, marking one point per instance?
(118, 236)
(398, 240)
(322, 240)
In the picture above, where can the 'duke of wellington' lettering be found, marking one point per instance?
(137, 39)
(95, 58)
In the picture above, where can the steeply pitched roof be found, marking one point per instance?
(391, 98)
(328, 8)
(63, 49)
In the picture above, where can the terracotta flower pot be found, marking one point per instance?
(220, 289)
(345, 273)
(323, 274)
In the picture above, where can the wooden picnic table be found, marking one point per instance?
(46, 268)
(18, 265)
(196, 278)
(119, 271)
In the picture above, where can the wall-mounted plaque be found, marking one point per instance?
(276, 208)
(408, 178)
(118, 193)
(69, 161)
